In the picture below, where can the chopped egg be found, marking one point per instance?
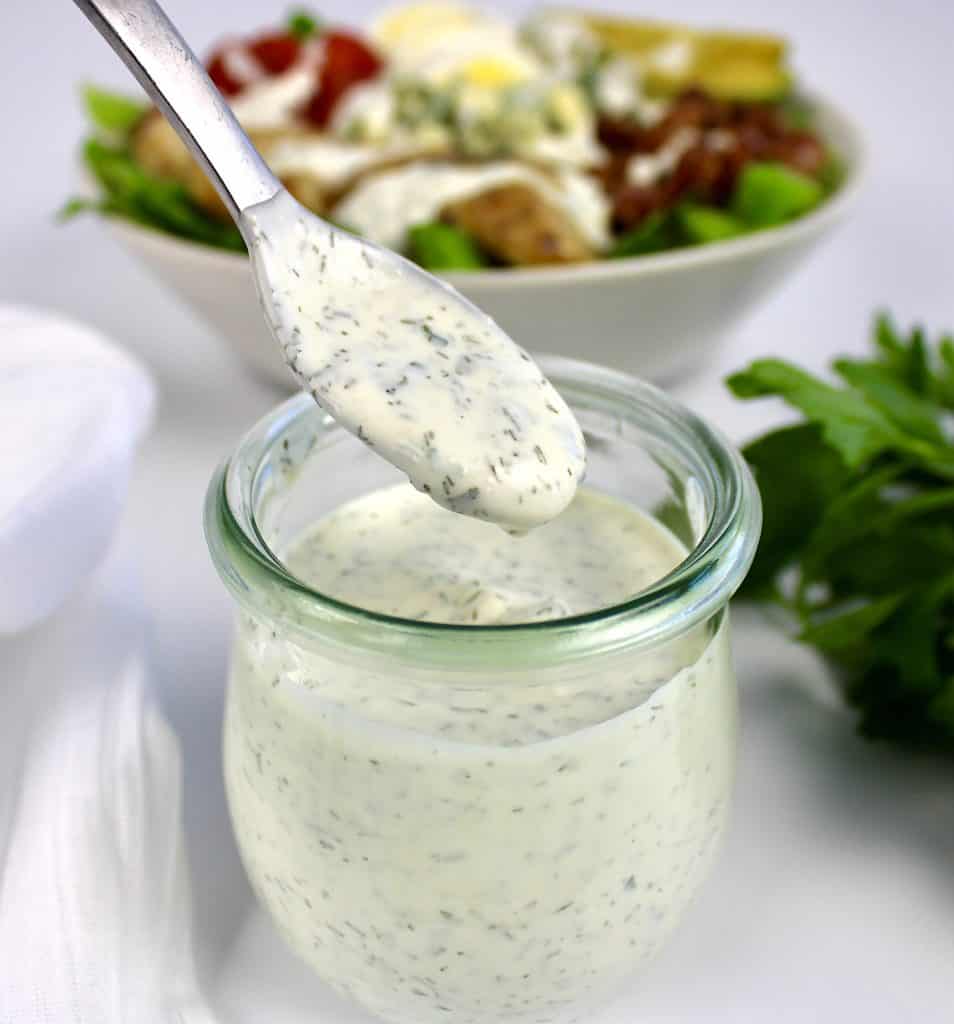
(403, 27)
(445, 42)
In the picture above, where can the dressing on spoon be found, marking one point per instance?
(419, 374)
(396, 356)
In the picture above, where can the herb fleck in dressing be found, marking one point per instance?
(416, 372)
(488, 845)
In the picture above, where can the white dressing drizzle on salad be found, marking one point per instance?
(384, 205)
(618, 92)
(415, 371)
(273, 102)
(332, 162)
(645, 169)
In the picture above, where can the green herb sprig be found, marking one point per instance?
(858, 540)
(126, 190)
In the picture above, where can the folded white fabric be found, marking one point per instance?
(72, 410)
(94, 917)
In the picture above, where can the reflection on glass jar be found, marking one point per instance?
(491, 823)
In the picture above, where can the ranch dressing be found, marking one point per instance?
(334, 163)
(384, 205)
(397, 553)
(271, 104)
(501, 845)
(415, 371)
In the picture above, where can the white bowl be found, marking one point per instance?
(655, 316)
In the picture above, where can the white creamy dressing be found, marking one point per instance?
(241, 65)
(617, 88)
(565, 42)
(273, 103)
(645, 169)
(330, 161)
(415, 371)
(486, 846)
(575, 148)
(674, 57)
(618, 92)
(395, 552)
(368, 104)
(587, 205)
(384, 205)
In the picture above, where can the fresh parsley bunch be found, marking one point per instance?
(858, 540)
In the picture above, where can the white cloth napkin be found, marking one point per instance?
(94, 897)
(72, 409)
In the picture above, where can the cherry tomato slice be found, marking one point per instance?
(347, 62)
(225, 82)
(276, 52)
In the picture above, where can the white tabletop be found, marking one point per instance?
(835, 894)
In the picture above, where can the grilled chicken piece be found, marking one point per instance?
(161, 152)
(157, 148)
(516, 225)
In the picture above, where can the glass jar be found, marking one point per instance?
(491, 823)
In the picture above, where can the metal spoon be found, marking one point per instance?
(396, 356)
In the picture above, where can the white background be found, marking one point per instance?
(834, 899)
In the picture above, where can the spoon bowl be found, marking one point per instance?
(413, 369)
(395, 355)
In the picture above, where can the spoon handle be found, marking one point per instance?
(151, 47)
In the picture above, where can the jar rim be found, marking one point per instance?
(694, 590)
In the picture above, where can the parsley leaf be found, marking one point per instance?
(793, 503)
(858, 542)
(852, 425)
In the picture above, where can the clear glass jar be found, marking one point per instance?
(492, 823)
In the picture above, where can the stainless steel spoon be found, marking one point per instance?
(396, 356)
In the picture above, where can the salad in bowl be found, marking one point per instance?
(469, 142)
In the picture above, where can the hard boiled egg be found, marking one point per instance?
(443, 43)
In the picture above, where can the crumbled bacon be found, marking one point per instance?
(729, 136)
